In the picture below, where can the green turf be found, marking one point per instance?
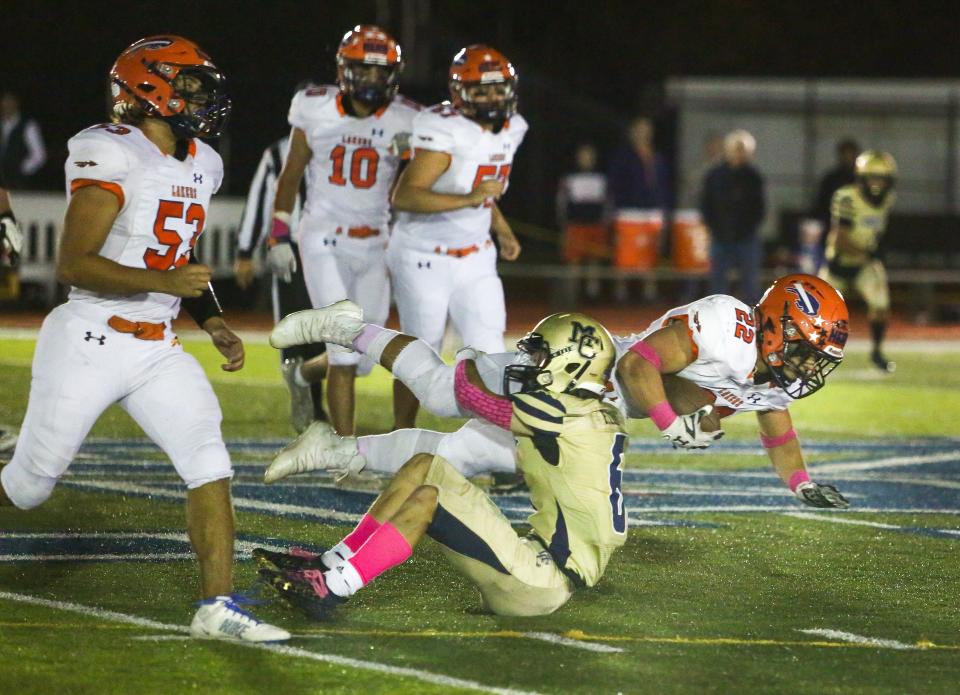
(694, 609)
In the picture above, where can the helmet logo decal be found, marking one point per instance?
(586, 339)
(806, 302)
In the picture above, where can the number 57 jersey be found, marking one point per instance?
(163, 207)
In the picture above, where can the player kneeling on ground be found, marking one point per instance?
(570, 448)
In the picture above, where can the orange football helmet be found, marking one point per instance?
(170, 77)
(480, 65)
(802, 326)
(368, 45)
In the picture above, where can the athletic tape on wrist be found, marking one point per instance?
(662, 415)
(647, 352)
(798, 478)
(773, 442)
(280, 229)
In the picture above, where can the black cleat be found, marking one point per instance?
(296, 559)
(882, 363)
(305, 590)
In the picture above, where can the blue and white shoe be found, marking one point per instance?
(222, 617)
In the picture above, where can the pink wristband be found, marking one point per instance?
(647, 352)
(490, 407)
(773, 442)
(280, 230)
(662, 415)
(797, 478)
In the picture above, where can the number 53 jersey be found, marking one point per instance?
(724, 340)
(163, 207)
(355, 160)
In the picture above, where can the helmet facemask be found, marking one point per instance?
(875, 187)
(201, 100)
(371, 84)
(799, 368)
(529, 369)
(497, 104)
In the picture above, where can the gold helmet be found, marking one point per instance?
(564, 353)
(876, 175)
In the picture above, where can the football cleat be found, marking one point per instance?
(882, 363)
(319, 448)
(301, 400)
(8, 438)
(305, 590)
(221, 617)
(337, 323)
(295, 559)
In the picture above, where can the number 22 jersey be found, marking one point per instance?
(163, 208)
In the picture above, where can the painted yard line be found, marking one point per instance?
(104, 557)
(905, 480)
(161, 638)
(841, 520)
(402, 671)
(859, 639)
(570, 642)
(886, 463)
(787, 508)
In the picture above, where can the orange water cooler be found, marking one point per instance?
(636, 236)
(691, 242)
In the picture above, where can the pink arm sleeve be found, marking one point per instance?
(495, 409)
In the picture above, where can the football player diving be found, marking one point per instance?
(692, 366)
(858, 220)
(570, 446)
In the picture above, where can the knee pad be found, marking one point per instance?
(25, 488)
(206, 464)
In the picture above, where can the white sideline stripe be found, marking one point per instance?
(570, 642)
(842, 520)
(426, 676)
(859, 639)
(102, 557)
(161, 638)
(886, 462)
(790, 508)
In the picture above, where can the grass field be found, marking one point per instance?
(725, 585)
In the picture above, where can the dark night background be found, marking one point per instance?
(585, 67)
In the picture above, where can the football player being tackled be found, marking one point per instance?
(570, 446)
(858, 220)
(695, 364)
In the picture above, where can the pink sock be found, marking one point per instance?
(366, 528)
(385, 549)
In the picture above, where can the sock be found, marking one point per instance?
(372, 340)
(356, 538)
(386, 453)
(877, 330)
(385, 549)
(343, 580)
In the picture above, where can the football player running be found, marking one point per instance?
(711, 358)
(350, 140)
(858, 220)
(570, 446)
(442, 259)
(139, 189)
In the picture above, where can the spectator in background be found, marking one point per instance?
(583, 212)
(732, 205)
(693, 182)
(638, 176)
(22, 153)
(842, 174)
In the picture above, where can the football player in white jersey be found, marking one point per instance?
(441, 257)
(715, 354)
(139, 190)
(352, 138)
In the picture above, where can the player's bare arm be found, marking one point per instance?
(414, 193)
(288, 183)
(227, 342)
(90, 216)
(783, 447)
(509, 245)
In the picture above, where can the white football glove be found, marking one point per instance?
(11, 238)
(282, 261)
(822, 496)
(685, 431)
(400, 145)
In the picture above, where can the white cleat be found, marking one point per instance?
(337, 323)
(319, 448)
(222, 618)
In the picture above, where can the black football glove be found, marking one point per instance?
(823, 496)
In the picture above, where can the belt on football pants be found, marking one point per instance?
(359, 232)
(461, 252)
(142, 330)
